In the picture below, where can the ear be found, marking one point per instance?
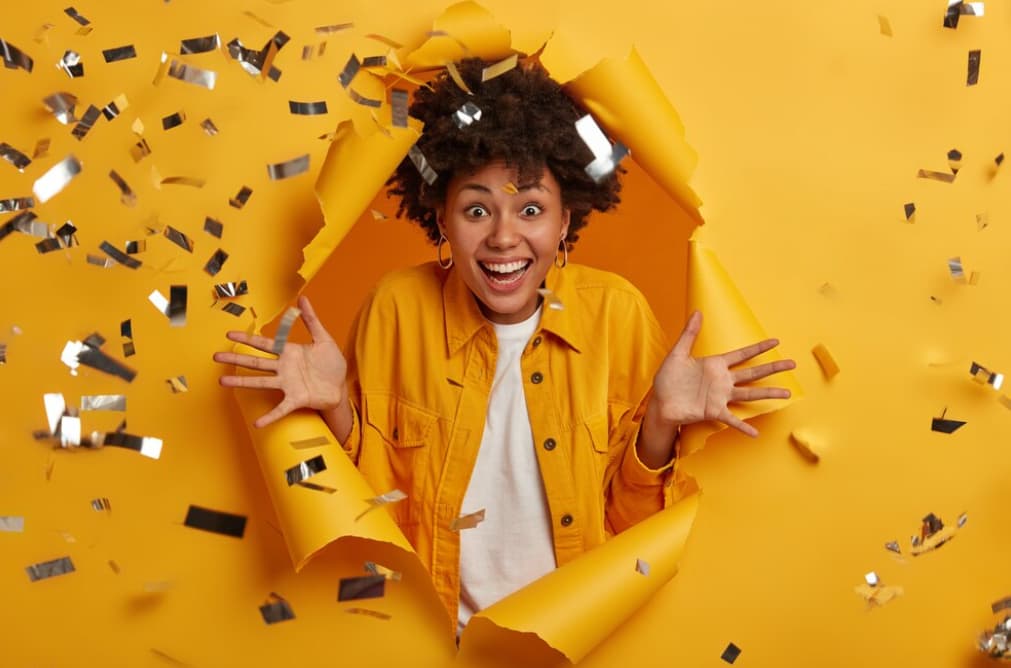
(440, 218)
(566, 216)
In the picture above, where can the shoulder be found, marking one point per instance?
(411, 285)
(603, 288)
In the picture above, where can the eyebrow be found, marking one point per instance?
(484, 189)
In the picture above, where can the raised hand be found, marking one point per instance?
(309, 375)
(690, 389)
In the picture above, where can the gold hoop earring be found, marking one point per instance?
(565, 254)
(444, 263)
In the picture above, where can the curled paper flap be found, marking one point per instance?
(574, 608)
(355, 169)
(628, 102)
(311, 520)
(464, 30)
(727, 324)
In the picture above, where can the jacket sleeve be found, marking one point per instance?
(633, 491)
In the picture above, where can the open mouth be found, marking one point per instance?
(505, 273)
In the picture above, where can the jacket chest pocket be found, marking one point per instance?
(400, 423)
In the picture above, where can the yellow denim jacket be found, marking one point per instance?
(421, 361)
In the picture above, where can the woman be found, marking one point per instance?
(502, 378)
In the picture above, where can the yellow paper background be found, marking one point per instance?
(810, 126)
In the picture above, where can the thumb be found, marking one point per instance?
(683, 348)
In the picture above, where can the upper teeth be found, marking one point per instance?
(505, 268)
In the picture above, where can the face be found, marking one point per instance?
(504, 236)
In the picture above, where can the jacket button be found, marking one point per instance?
(536, 377)
(396, 434)
(566, 520)
(550, 444)
(537, 341)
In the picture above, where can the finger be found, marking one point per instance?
(247, 361)
(757, 393)
(255, 382)
(312, 321)
(740, 425)
(261, 343)
(762, 370)
(275, 414)
(747, 352)
(683, 348)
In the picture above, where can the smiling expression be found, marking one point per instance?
(504, 236)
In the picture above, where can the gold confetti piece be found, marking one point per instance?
(14, 157)
(173, 120)
(178, 238)
(192, 75)
(974, 278)
(307, 51)
(731, 653)
(87, 121)
(216, 261)
(351, 69)
(209, 128)
(331, 29)
(972, 76)
(41, 149)
(943, 177)
(231, 290)
(129, 349)
(103, 402)
(234, 309)
(377, 569)
(116, 107)
(910, 210)
(14, 57)
(56, 179)
(605, 156)
(358, 98)
(421, 164)
(276, 609)
(378, 215)
(173, 308)
(315, 442)
(200, 44)
(825, 361)
(642, 567)
(71, 64)
(454, 74)
(393, 496)
(884, 25)
(468, 521)
(288, 168)
(307, 108)
(805, 445)
(119, 53)
(510, 188)
(126, 194)
(158, 586)
(398, 101)
(12, 523)
(551, 299)
(982, 221)
(49, 569)
(141, 150)
(241, 198)
(178, 384)
(183, 181)
(357, 588)
(101, 504)
(114, 566)
(284, 329)
(370, 613)
(879, 595)
(499, 68)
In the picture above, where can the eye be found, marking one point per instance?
(531, 210)
(476, 211)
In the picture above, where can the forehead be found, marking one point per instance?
(497, 176)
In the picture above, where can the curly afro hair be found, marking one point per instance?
(527, 122)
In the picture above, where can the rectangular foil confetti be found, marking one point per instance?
(56, 179)
(16, 204)
(955, 269)
(330, 29)
(288, 168)
(87, 121)
(209, 128)
(421, 164)
(178, 384)
(178, 238)
(173, 120)
(14, 57)
(15, 157)
(605, 156)
(315, 442)
(467, 114)
(358, 588)
(136, 246)
(468, 521)
(213, 227)
(351, 69)
(731, 653)
(74, 14)
(373, 568)
(200, 44)
(981, 374)
(61, 106)
(215, 262)
(307, 108)
(284, 329)
(190, 181)
(276, 609)
(909, 209)
(41, 149)
(103, 402)
(147, 446)
(49, 569)
(116, 107)
(398, 102)
(192, 75)
(231, 290)
(126, 194)
(12, 523)
(305, 470)
(370, 613)
(358, 98)
(972, 75)
(393, 496)
(215, 521)
(499, 68)
(943, 177)
(234, 309)
(71, 64)
(241, 198)
(94, 358)
(119, 53)
(100, 504)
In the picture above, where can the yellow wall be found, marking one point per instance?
(810, 126)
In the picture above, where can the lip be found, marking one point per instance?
(504, 260)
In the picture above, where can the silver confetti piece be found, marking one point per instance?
(336, 27)
(372, 568)
(241, 198)
(305, 470)
(70, 431)
(136, 246)
(14, 57)
(642, 567)
(119, 53)
(119, 256)
(605, 156)
(192, 75)
(147, 446)
(12, 523)
(217, 260)
(983, 375)
(231, 290)
(126, 194)
(73, 13)
(955, 268)
(14, 156)
(71, 64)
(358, 98)
(173, 120)
(16, 204)
(209, 127)
(48, 569)
(213, 227)
(307, 108)
(893, 546)
(87, 121)
(393, 496)
(56, 178)
(351, 69)
(100, 504)
(467, 114)
(374, 61)
(234, 309)
(178, 238)
(115, 108)
(972, 76)
(200, 44)
(288, 168)
(467, 521)
(61, 105)
(173, 308)
(55, 405)
(872, 579)
(284, 329)
(421, 164)
(103, 402)
(276, 609)
(398, 101)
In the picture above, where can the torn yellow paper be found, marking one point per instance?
(825, 361)
(465, 29)
(577, 606)
(806, 444)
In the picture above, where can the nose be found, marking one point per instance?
(504, 232)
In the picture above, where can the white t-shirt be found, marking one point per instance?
(512, 547)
